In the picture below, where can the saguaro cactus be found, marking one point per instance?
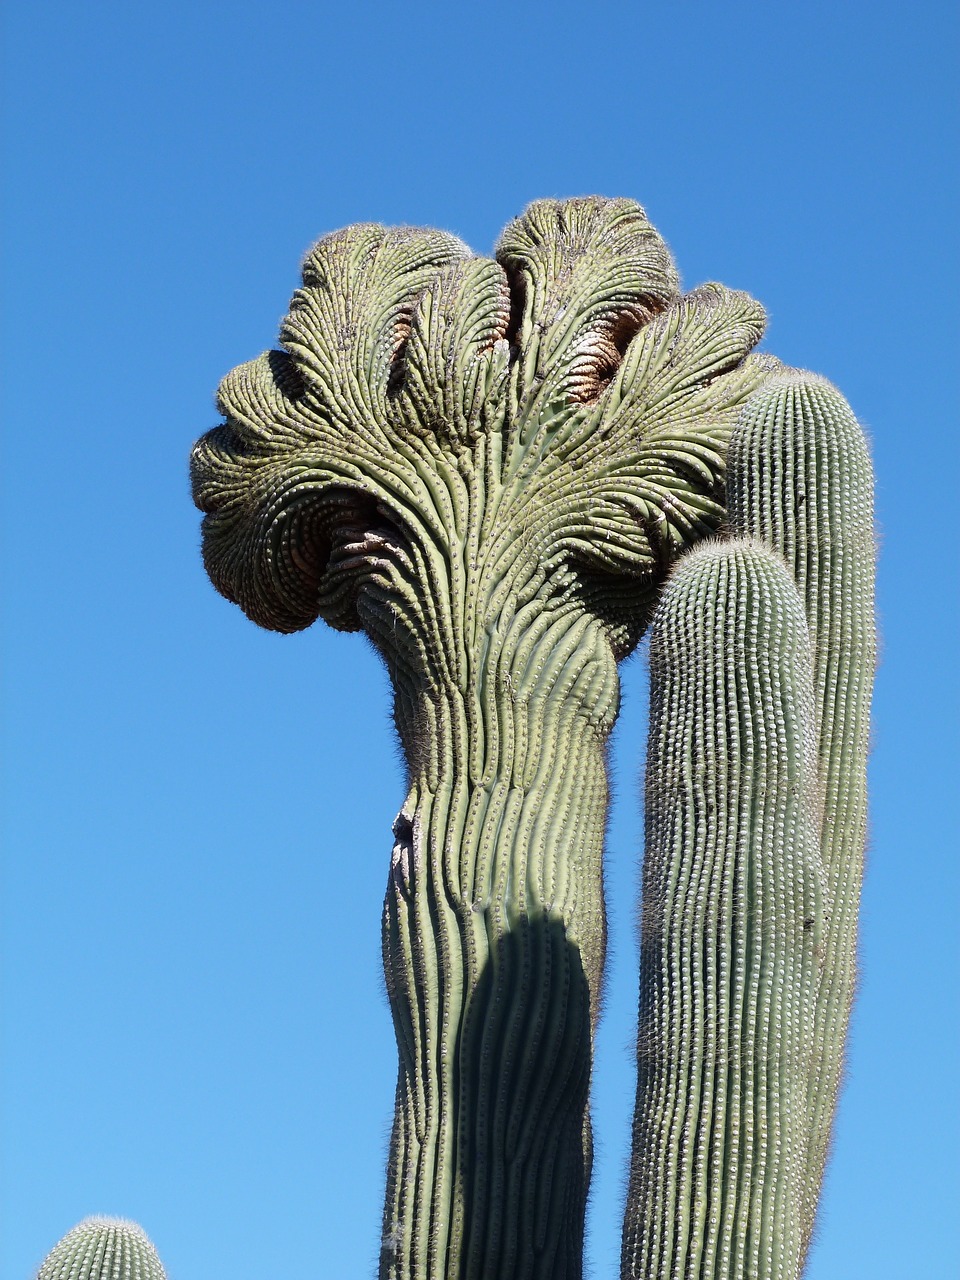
(490, 466)
(103, 1249)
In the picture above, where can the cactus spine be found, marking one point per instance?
(490, 467)
(103, 1249)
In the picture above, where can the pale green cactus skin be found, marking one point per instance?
(487, 465)
(756, 824)
(490, 466)
(800, 479)
(732, 922)
(103, 1249)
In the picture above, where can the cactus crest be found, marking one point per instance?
(103, 1249)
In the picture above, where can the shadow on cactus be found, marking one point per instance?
(490, 466)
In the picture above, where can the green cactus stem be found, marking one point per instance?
(711, 1196)
(103, 1249)
(488, 466)
(800, 479)
(731, 926)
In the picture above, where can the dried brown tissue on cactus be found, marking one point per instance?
(489, 466)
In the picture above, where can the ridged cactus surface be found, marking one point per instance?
(735, 1098)
(103, 1249)
(800, 479)
(732, 923)
(490, 465)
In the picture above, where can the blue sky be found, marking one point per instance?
(197, 813)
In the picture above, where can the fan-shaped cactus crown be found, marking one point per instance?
(561, 404)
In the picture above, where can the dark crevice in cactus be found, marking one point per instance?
(624, 610)
(286, 375)
(403, 829)
(722, 369)
(361, 534)
(397, 367)
(620, 332)
(517, 285)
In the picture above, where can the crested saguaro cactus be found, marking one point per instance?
(490, 467)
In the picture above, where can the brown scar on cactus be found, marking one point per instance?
(491, 466)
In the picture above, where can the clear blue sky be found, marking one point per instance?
(198, 813)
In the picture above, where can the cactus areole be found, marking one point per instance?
(490, 466)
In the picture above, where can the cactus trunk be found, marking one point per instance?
(493, 951)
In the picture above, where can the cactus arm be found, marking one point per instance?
(732, 910)
(799, 488)
(800, 480)
(487, 465)
(103, 1249)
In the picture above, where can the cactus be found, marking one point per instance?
(490, 466)
(756, 822)
(733, 917)
(103, 1249)
(800, 480)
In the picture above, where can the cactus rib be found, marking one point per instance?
(103, 1249)
(800, 479)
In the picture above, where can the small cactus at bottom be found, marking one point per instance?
(103, 1249)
